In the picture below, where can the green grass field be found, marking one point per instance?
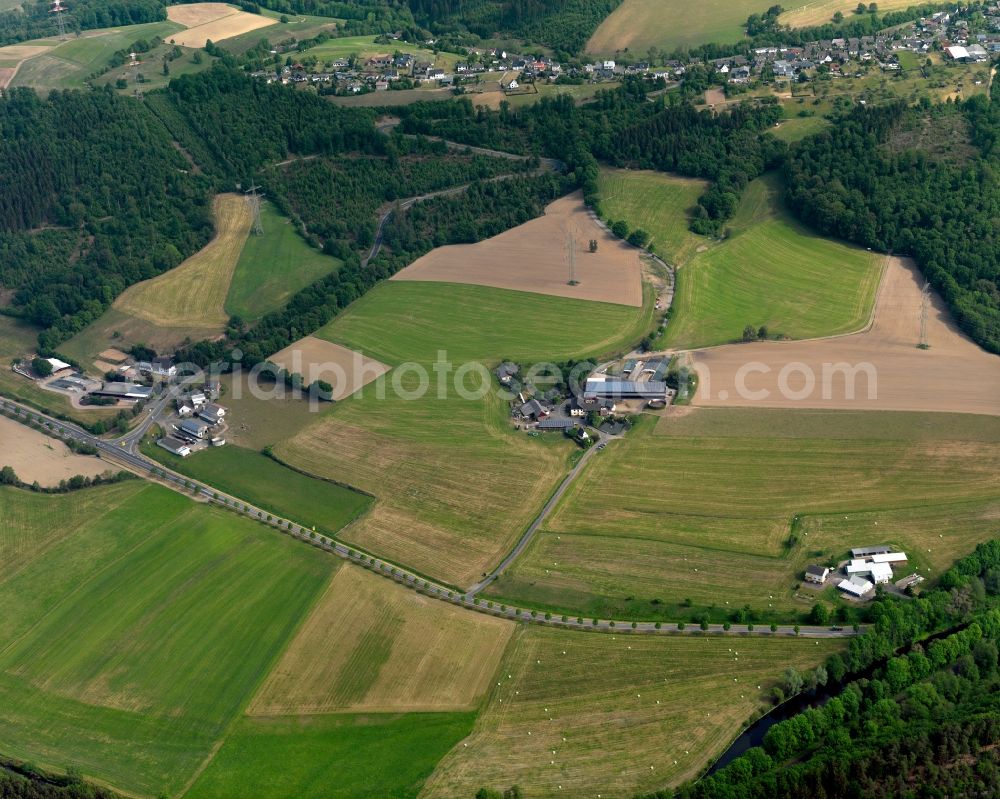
(772, 272)
(332, 757)
(722, 509)
(267, 484)
(463, 482)
(134, 639)
(658, 203)
(70, 63)
(637, 25)
(365, 47)
(580, 714)
(273, 267)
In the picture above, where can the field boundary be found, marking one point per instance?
(400, 574)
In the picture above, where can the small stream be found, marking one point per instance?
(754, 734)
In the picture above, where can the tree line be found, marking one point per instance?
(853, 183)
(926, 722)
(33, 20)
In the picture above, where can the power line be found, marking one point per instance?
(925, 304)
(253, 198)
(57, 9)
(133, 68)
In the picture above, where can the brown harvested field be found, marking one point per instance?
(215, 21)
(104, 367)
(193, 295)
(316, 359)
(370, 645)
(592, 714)
(34, 456)
(533, 257)
(954, 374)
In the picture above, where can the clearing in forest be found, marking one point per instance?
(370, 645)
(536, 257)
(212, 21)
(772, 272)
(193, 295)
(577, 714)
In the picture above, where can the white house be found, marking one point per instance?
(817, 574)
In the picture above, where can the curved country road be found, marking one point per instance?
(124, 451)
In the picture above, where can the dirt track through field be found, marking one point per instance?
(215, 21)
(316, 359)
(534, 257)
(34, 456)
(16, 55)
(892, 373)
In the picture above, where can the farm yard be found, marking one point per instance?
(715, 509)
(627, 713)
(463, 483)
(952, 375)
(212, 22)
(35, 456)
(273, 267)
(376, 647)
(658, 203)
(130, 643)
(772, 272)
(193, 294)
(317, 359)
(535, 256)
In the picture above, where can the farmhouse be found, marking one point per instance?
(175, 445)
(533, 409)
(506, 372)
(129, 391)
(158, 367)
(817, 574)
(212, 413)
(192, 428)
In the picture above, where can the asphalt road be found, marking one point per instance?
(124, 451)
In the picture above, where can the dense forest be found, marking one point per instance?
(623, 128)
(99, 200)
(337, 199)
(33, 19)
(859, 183)
(925, 723)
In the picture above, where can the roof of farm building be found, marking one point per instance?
(625, 389)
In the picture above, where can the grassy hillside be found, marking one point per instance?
(455, 483)
(192, 295)
(658, 203)
(68, 64)
(332, 757)
(273, 267)
(578, 714)
(127, 649)
(637, 25)
(772, 271)
(722, 512)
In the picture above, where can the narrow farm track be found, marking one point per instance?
(123, 451)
